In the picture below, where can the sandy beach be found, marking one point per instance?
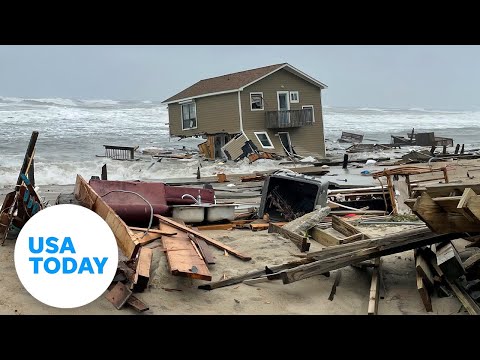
(168, 294)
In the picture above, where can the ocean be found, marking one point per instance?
(72, 133)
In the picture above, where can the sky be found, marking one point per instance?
(377, 76)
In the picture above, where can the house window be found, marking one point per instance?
(256, 101)
(294, 98)
(264, 139)
(189, 116)
(309, 116)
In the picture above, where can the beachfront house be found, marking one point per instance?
(276, 109)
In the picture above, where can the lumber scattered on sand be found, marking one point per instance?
(207, 239)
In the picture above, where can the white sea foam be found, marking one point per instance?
(72, 132)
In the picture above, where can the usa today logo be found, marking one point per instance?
(66, 256)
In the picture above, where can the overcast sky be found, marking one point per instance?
(432, 77)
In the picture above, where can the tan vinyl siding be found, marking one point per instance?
(215, 114)
(234, 147)
(307, 140)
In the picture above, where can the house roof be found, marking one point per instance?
(235, 82)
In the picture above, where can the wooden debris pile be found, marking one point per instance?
(23, 202)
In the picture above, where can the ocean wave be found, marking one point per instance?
(372, 109)
(98, 103)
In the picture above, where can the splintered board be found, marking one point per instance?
(183, 257)
(126, 239)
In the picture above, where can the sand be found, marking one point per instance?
(168, 295)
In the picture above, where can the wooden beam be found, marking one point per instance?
(374, 289)
(345, 227)
(126, 239)
(228, 226)
(338, 277)
(471, 262)
(324, 237)
(300, 241)
(462, 208)
(416, 233)
(436, 190)
(468, 303)
(154, 231)
(145, 239)
(392, 194)
(449, 261)
(439, 220)
(253, 274)
(183, 257)
(423, 269)
(207, 239)
(473, 206)
(424, 295)
(142, 273)
(204, 249)
(335, 262)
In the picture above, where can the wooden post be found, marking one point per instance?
(411, 136)
(432, 150)
(392, 194)
(445, 174)
(28, 157)
(345, 161)
(132, 154)
(409, 186)
(444, 151)
(463, 149)
(457, 149)
(104, 172)
(198, 172)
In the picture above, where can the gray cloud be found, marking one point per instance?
(439, 77)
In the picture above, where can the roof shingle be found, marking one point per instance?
(224, 83)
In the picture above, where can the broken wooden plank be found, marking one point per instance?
(324, 237)
(253, 274)
(118, 295)
(471, 262)
(419, 232)
(424, 295)
(182, 256)
(338, 277)
(126, 240)
(228, 226)
(438, 219)
(300, 241)
(345, 228)
(358, 212)
(468, 303)
(463, 208)
(142, 273)
(338, 261)
(374, 289)
(207, 239)
(137, 304)
(204, 250)
(264, 226)
(423, 269)
(449, 261)
(154, 231)
(145, 239)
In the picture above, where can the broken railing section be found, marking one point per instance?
(24, 202)
(408, 172)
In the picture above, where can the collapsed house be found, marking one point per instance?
(272, 109)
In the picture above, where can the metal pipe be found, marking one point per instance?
(151, 207)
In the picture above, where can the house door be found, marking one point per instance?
(283, 107)
(286, 142)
